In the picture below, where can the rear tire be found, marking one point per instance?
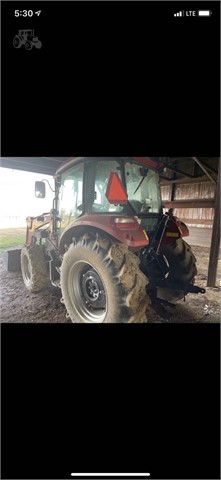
(33, 268)
(181, 260)
(17, 42)
(101, 283)
(182, 268)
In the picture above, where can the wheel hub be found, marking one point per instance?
(93, 289)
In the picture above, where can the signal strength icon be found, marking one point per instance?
(178, 14)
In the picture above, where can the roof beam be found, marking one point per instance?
(203, 168)
(175, 169)
(184, 180)
(215, 242)
(189, 204)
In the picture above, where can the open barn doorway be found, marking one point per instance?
(187, 186)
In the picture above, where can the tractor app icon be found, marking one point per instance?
(26, 38)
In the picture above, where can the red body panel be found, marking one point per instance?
(130, 233)
(184, 229)
(175, 230)
(148, 162)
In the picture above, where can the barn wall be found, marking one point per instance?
(194, 217)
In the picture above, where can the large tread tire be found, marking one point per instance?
(17, 42)
(181, 260)
(38, 45)
(118, 270)
(28, 45)
(33, 268)
(182, 267)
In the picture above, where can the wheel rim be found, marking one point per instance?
(16, 42)
(26, 270)
(87, 292)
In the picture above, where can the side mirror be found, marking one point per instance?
(40, 189)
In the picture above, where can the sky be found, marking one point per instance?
(17, 197)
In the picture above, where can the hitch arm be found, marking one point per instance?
(186, 288)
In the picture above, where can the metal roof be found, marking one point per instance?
(183, 167)
(44, 165)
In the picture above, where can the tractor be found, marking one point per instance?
(107, 243)
(26, 38)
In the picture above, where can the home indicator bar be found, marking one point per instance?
(106, 475)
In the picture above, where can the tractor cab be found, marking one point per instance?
(26, 32)
(108, 186)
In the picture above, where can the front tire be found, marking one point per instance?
(33, 268)
(101, 283)
(38, 45)
(28, 45)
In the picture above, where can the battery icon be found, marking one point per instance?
(204, 13)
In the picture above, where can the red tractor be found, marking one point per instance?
(107, 243)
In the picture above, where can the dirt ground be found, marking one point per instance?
(18, 305)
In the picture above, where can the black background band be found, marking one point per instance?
(112, 78)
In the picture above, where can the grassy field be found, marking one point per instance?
(11, 237)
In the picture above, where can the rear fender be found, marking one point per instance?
(184, 229)
(175, 230)
(132, 234)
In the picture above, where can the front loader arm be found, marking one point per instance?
(35, 223)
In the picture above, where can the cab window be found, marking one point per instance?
(71, 195)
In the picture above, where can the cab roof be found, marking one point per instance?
(147, 161)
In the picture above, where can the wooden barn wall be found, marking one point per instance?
(194, 217)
